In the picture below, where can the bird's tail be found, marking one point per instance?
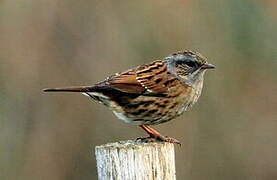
(70, 89)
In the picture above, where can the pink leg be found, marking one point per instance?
(156, 135)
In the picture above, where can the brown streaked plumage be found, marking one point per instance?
(153, 93)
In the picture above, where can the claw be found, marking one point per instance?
(156, 136)
(172, 140)
(158, 139)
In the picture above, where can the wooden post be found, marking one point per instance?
(130, 160)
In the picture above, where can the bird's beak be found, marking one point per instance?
(207, 66)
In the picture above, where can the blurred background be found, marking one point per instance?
(229, 134)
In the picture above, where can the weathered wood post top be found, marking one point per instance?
(133, 160)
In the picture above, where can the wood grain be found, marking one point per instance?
(135, 161)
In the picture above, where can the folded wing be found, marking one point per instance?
(149, 79)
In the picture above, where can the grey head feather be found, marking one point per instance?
(186, 66)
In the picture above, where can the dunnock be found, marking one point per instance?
(153, 93)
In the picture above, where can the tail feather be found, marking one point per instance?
(69, 89)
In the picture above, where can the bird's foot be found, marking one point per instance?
(172, 140)
(158, 139)
(156, 136)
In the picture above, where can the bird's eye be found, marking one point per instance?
(191, 64)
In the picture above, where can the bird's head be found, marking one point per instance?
(188, 65)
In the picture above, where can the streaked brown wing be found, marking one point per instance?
(147, 79)
(153, 77)
(125, 82)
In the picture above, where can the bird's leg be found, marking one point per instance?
(157, 136)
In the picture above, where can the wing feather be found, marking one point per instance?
(125, 82)
(153, 77)
(147, 79)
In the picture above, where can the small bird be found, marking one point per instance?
(151, 94)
